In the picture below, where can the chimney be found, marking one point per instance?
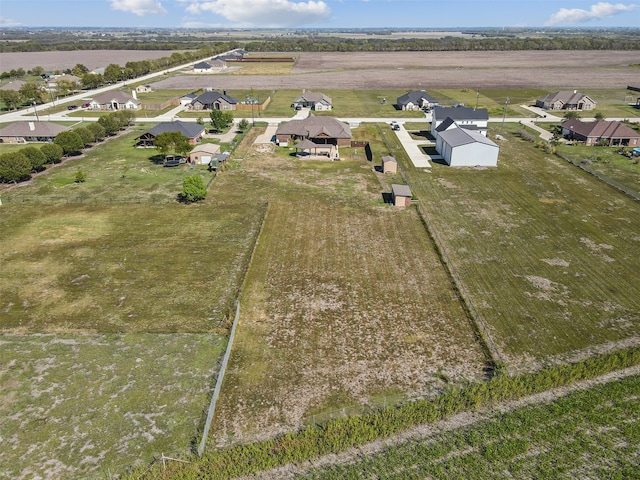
(133, 94)
(32, 126)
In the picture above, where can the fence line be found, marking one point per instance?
(218, 387)
(476, 319)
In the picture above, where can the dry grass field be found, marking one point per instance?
(410, 70)
(345, 303)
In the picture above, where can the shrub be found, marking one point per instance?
(36, 158)
(52, 152)
(14, 167)
(81, 177)
(193, 189)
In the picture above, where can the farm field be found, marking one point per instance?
(84, 406)
(548, 70)
(581, 435)
(546, 252)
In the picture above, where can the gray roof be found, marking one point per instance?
(313, 127)
(460, 113)
(400, 190)
(33, 129)
(190, 130)
(314, 97)
(567, 97)
(202, 66)
(449, 121)
(14, 85)
(208, 98)
(115, 96)
(462, 136)
(389, 158)
(415, 97)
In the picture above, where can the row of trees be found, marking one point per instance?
(19, 165)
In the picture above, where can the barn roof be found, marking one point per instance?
(460, 113)
(400, 190)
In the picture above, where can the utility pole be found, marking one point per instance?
(33, 102)
(506, 102)
(477, 95)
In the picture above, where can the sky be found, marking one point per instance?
(317, 13)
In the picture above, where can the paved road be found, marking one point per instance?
(419, 158)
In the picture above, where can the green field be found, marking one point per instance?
(582, 435)
(546, 253)
(85, 406)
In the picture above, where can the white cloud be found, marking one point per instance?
(139, 7)
(263, 13)
(573, 16)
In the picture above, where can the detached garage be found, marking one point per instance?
(203, 153)
(467, 148)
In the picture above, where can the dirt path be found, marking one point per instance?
(425, 431)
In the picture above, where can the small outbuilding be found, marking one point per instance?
(203, 154)
(389, 164)
(401, 195)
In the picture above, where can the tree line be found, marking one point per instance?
(18, 166)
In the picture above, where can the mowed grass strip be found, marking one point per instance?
(84, 406)
(122, 268)
(547, 253)
(343, 303)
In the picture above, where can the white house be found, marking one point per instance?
(470, 118)
(115, 100)
(461, 147)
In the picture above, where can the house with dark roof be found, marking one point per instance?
(192, 131)
(27, 132)
(465, 117)
(464, 147)
(315, 135)
(320, 130)
(313, 100)
(202, 67)
(600, 132)
(115, 100)
(565, 100)
(416, 100)
(213, 101)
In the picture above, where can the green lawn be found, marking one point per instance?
(546, 252)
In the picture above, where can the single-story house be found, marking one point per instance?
(461, 147)
(470, 118)
(320, 130)
(218, 63)
(389, 164)
(14, 85)
(313, 100)
(52, 82)
(26, 132)
(115, 100)
(192, 131)
(416, 100)
(144, 89)
(606, 132)
(203, 153)
(202, 67)
(214, 101)
(187, 99)
(565, 100)
(401, 195)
